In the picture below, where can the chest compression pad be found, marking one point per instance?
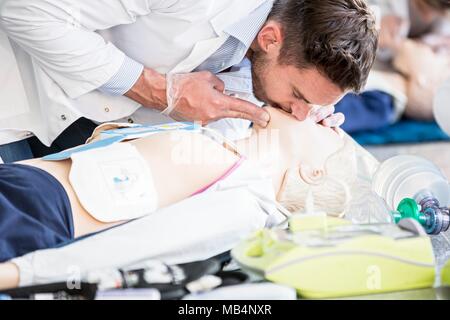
(113, 183)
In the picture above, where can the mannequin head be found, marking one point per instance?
(315, 159)
(330, 184)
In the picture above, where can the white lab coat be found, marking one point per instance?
(60, 51)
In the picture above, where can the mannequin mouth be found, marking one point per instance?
(279, 107)
(276, 106)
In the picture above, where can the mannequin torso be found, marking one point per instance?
(186, 162)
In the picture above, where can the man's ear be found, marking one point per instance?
(270, 37)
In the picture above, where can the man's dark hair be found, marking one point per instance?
(338, 37)
(438, 4)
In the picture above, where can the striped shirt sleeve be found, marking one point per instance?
(124, 79)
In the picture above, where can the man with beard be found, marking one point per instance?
(82, 63)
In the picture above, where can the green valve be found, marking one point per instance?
(409, 209)
(434, 219)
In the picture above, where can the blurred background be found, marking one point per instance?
(394, 115)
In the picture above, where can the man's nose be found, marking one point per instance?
(300, 111)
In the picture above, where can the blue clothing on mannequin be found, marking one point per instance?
(370, 110)
(35, 211)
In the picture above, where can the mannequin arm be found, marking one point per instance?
(9, 276)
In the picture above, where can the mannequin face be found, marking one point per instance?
(303, 142)
(313, 159)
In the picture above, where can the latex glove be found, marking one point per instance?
(326, 116)
(199, 97)
(320, 114)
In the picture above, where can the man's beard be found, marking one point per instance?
(259, 62)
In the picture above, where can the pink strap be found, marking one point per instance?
(222, 177)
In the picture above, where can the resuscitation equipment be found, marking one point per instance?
(326, 257)
(427, 212)
(406, 176)
(417, 189)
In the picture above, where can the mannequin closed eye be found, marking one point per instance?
(329, 186)
(310, 175)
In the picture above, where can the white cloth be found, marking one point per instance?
(65, 49)
(192, 230)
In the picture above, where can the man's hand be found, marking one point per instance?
(199, 97)
(194, 96)
(326, 116)
(321, 115)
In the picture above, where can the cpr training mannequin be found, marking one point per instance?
(300, 143)
(300, 157)
(421, 72)
(418, 70)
